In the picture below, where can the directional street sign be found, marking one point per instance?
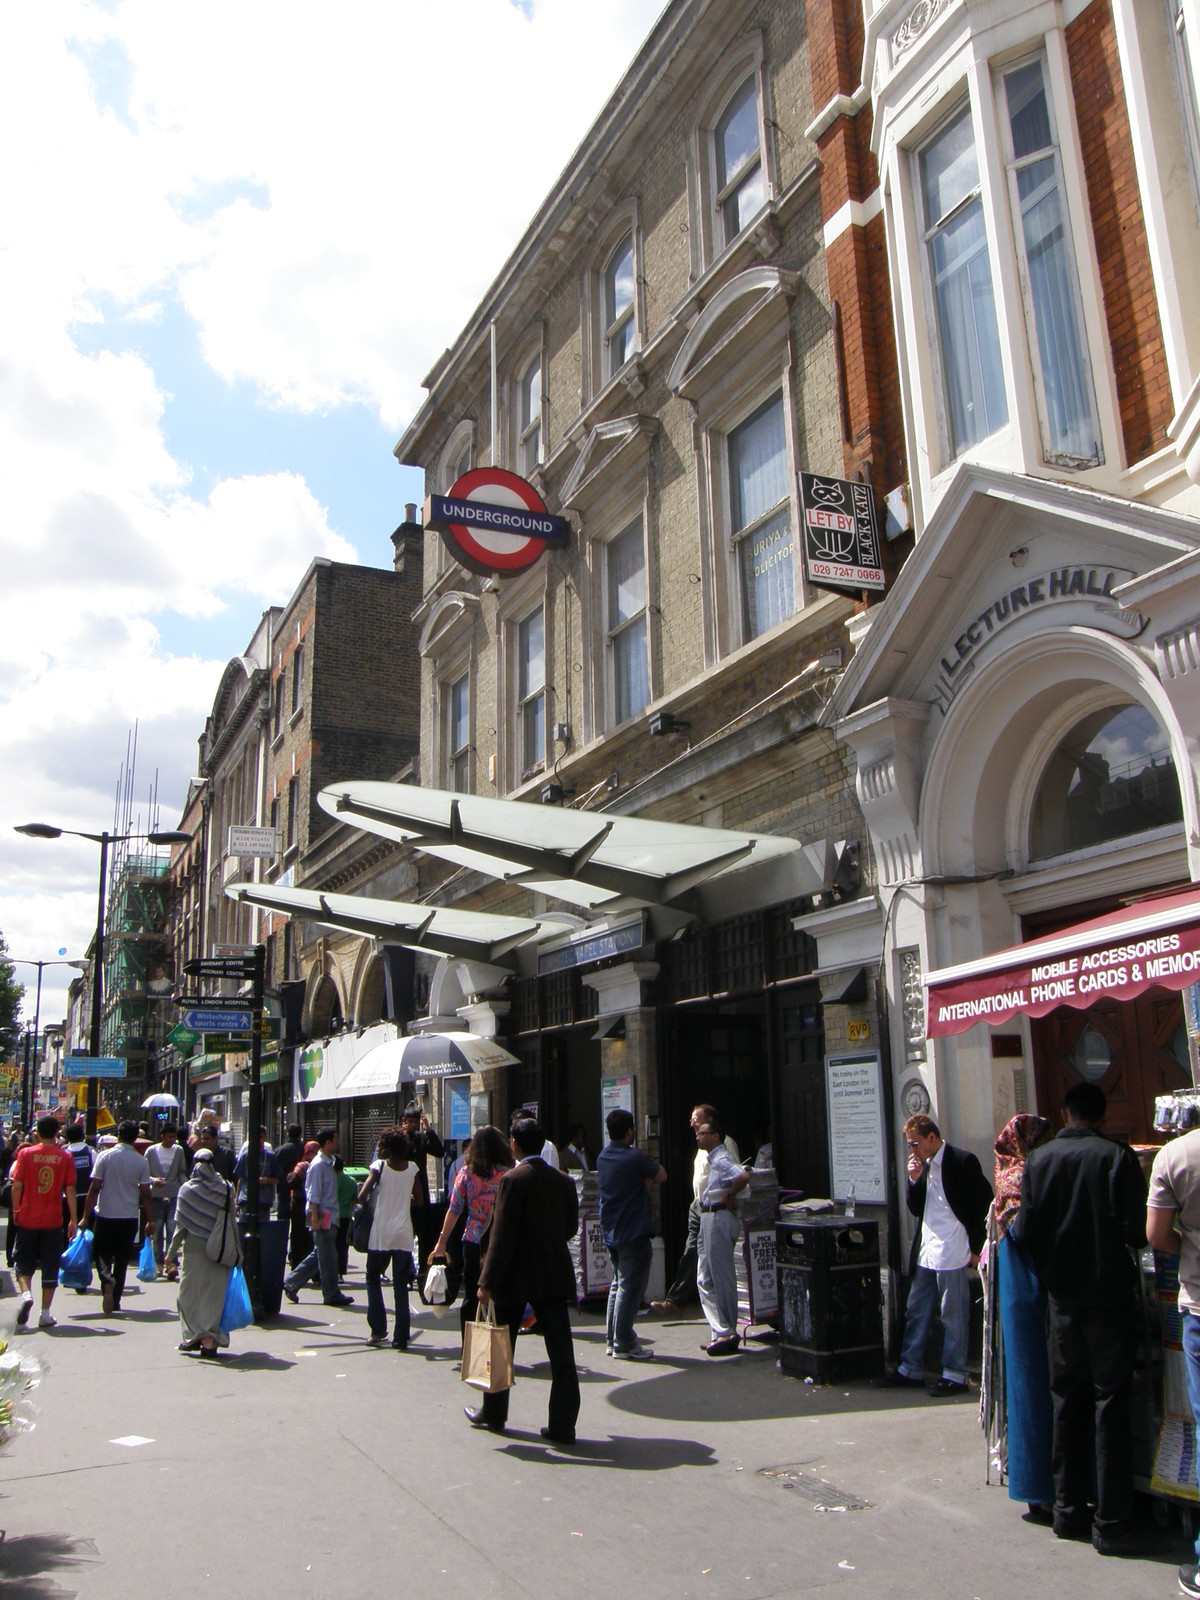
(220, 967)
(215, 1019)
(242, 1041)
(182, 1038)
(93, 1066)
(227, 1044)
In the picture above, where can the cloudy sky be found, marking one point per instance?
(219, 300)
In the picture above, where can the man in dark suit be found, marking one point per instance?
(527, 1261)
(950, 1196)
(1083, 1210)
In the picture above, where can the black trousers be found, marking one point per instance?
(683, 1291)
(554, 1325)
(112, 1245)
(1091, 1351)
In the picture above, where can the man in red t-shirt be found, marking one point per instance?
(43, 1176)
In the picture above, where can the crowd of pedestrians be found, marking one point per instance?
(1057, 1241)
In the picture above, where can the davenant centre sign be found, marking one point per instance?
(841, 533)
(494, 523)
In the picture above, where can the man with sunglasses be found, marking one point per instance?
(949, 1195)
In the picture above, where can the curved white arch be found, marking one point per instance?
(446, 616)
(983, 767)
(760, 285)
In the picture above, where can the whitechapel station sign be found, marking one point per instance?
(841, 533)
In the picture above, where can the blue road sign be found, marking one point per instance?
(93, 1066)
(217, 1021)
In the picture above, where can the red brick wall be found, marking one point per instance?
(1130, 306)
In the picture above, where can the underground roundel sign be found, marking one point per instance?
(493, 522)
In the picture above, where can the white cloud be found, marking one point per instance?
(285, 172)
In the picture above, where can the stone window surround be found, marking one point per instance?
(518, 599)
(971, 71)
(726, 383)
(706, 236)
(625, 219)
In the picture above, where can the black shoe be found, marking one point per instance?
(1042, 1515)
(1072, 1527)
(292, 1295)
(23, 1312)
(1189, 1581)
(723, 1347)
(1128, 1542)
(477, 1419)
(945, 1387)
(558, 1438)
(900, 1380)
(342, 1300)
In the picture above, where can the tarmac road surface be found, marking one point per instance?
(305, 1464)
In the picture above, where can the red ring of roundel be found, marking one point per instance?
(467, 549)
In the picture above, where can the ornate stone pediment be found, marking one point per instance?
(610, 450)
(450, 615)
(744, 312)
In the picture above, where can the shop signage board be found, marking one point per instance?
(227, 951)
(857, 1153)
(182, 1038)
(582, 951)
(93, 1066)
(252, 843)
(762, 1287)
(494, 523)
(841, 533)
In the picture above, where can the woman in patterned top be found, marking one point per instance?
(488, 1157)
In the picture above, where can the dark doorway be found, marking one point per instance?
(717, 1058)
(801, 1134)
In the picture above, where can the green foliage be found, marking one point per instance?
(11, 993)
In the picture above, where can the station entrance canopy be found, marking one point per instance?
(1155, 943)
(602, 864)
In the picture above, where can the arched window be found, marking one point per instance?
(529, 415)
(740, 192)
(619, 321)
(1111, 777)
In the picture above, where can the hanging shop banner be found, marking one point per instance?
(494, 523)
(841, 534)
(1153, 944)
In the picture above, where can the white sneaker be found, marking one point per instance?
(47, 1321)
(640, 1352)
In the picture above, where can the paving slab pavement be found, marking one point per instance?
(306, 1464)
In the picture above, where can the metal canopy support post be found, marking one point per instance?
(254, 1138)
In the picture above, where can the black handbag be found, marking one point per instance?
(361, 1219)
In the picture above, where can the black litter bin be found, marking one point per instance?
(830, 1301)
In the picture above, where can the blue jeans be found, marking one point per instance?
(163, 1212)
(321, 1265)
(631, 1274)
(378, 1262)
(930, 1288)
(1191, 1357)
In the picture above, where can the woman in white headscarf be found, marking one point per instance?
(202, 1283)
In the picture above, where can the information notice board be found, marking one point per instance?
(857, 1153)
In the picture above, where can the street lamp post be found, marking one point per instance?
(26, 1079)
(45, 830)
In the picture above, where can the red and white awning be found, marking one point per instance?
(1154, 944)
